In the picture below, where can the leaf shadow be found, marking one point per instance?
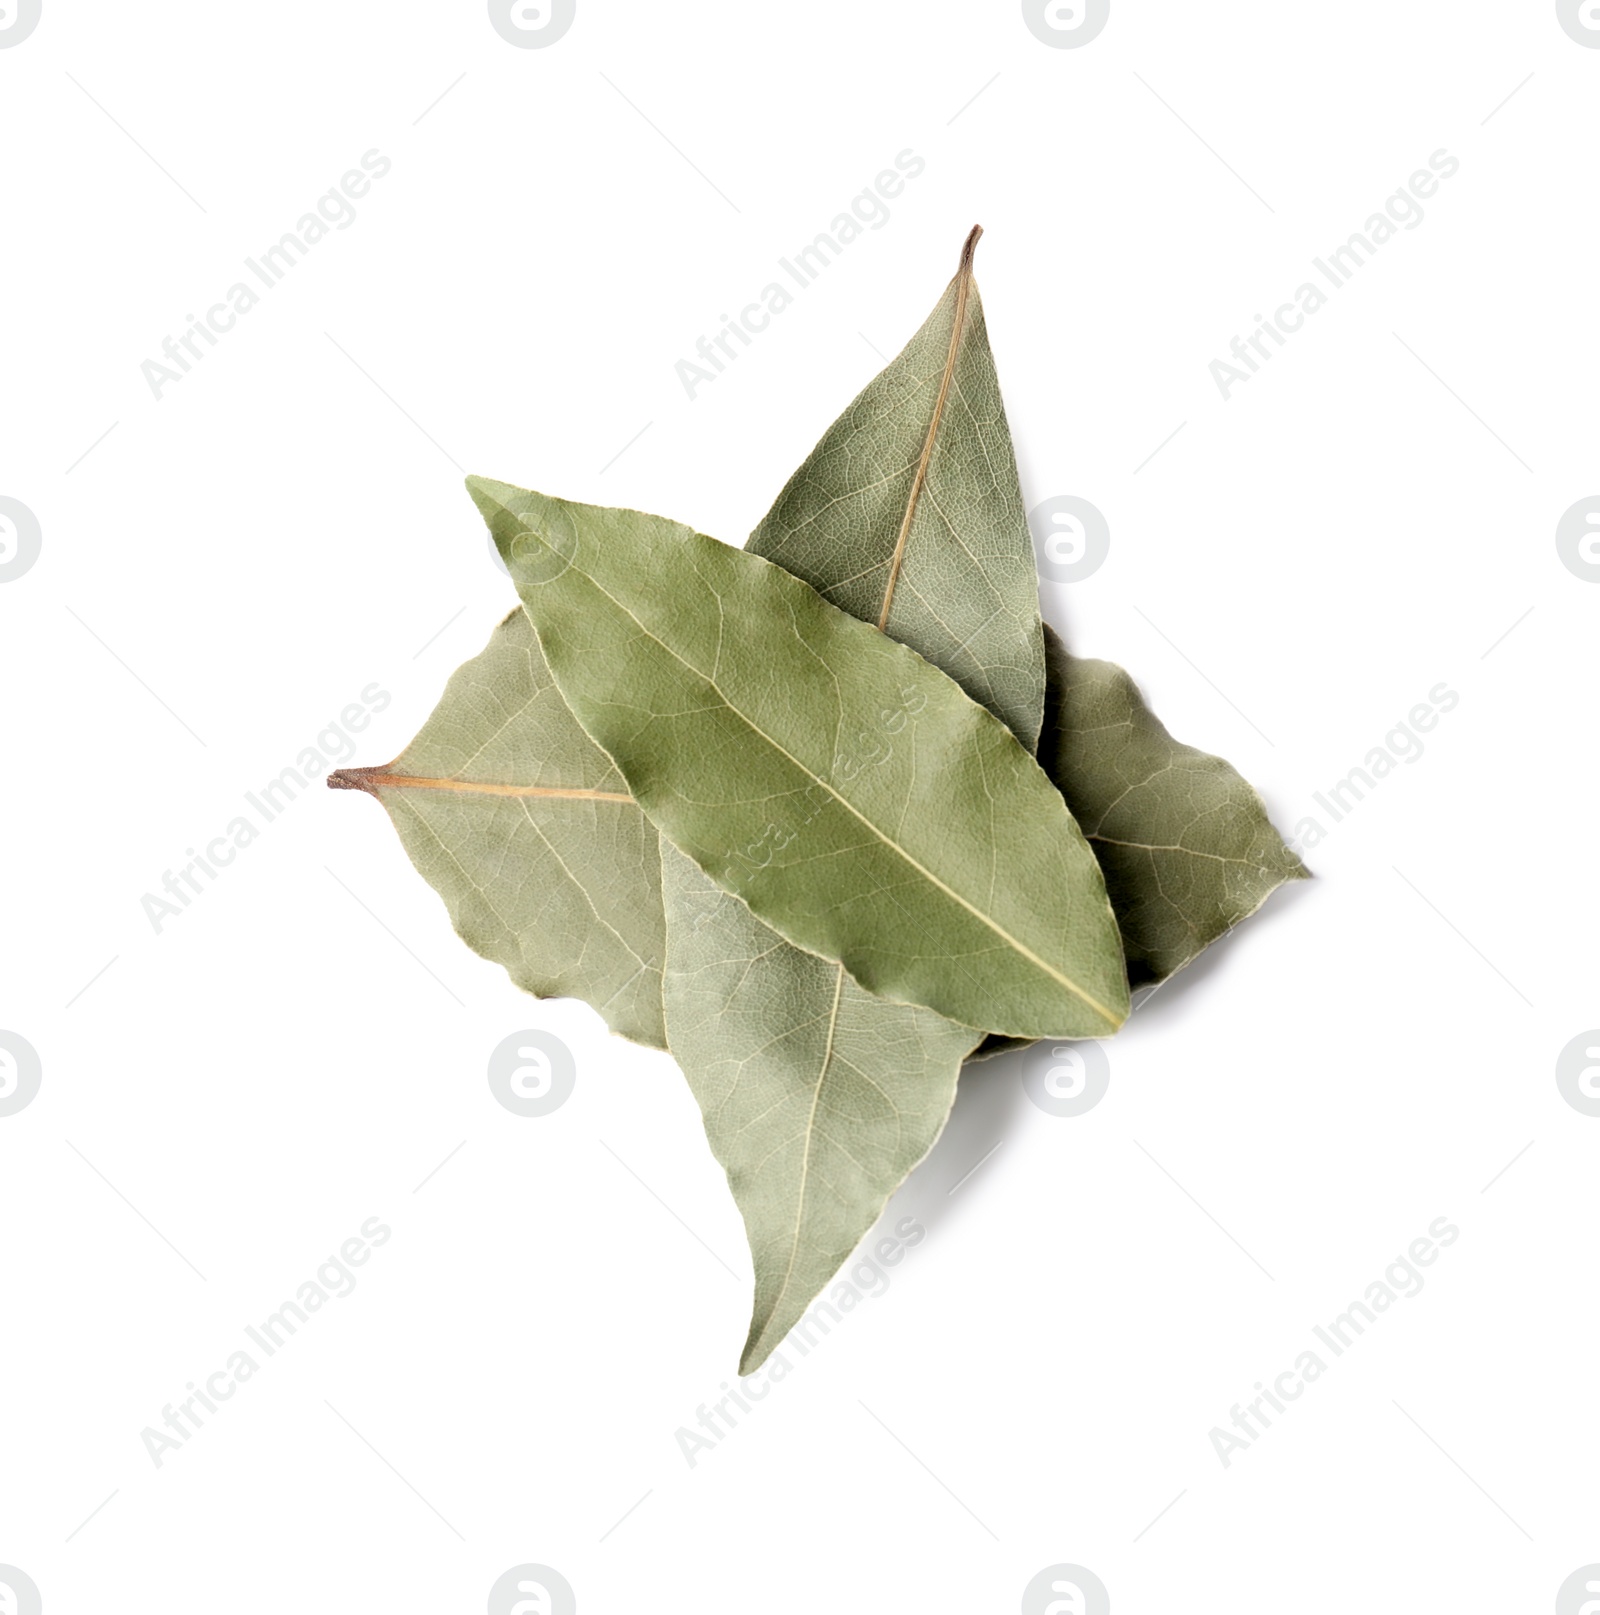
(990, 1097)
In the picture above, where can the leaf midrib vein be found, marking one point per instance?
(805, 1161)
(419, 782)
(919, 481)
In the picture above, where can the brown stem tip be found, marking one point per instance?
(354, 779)
(969, 247)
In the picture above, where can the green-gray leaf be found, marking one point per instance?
(818, 1101)
(1186, 845)
(818, 1097)
(846, 789)
(526, 830)
(908, 514)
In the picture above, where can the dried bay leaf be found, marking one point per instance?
(908, 514)
(818, 1100)
(527, 831)
(847, 790)
(1185, 842)
(818, 1097)
(814, 781)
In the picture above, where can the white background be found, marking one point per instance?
(299, 1051)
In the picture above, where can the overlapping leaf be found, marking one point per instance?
(1183, 839)
(1185, 842)
(846, 789)
(876, 871)
(908, 514)
(818, 1097)
(527, 831)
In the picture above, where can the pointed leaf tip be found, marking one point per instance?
(485, 493)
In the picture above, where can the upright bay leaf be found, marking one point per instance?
(908, 514)
(526, 830)
(848, 791)
(819, 1097)
(1185, 842)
